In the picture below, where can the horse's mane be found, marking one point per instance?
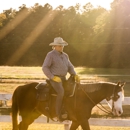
(92, 87)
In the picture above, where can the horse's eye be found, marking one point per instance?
(117, 96)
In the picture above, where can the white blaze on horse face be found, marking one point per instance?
(117, 108)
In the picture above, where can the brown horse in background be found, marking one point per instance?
(78, 106)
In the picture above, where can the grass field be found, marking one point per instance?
(11, 77)
(38, 126)
(36, 72)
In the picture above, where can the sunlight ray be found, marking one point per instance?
(31, 38)
(14, 23)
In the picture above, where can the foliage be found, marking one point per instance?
(12, 76)
(2, 18)
(40, 126)
(96, 37)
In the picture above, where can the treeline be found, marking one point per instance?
(97, 37)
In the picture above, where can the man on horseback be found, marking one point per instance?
(55, 67)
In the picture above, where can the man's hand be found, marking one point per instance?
(56, 79)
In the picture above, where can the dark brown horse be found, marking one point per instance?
(78, 106)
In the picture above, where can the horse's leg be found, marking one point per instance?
(74, 125)
(85, 124)
(27, 119)
(83, 117)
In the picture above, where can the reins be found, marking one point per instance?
(104, 109)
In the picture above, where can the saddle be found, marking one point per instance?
(45, 90)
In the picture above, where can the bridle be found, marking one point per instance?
(103, 108)
(114, 97)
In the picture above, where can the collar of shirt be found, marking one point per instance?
(57, 52)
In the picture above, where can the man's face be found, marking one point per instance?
(59, 48)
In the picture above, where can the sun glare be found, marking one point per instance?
(31, 38)
(95, 3)
(15, 4)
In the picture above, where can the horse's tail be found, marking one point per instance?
(15, 111)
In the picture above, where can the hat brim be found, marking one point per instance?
(59, 44)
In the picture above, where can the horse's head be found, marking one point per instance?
(115, 101)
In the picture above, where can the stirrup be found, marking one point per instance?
(64, 116)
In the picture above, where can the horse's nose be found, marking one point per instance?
(119, 112)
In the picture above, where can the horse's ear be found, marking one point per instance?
(123, 84)
(118, 84)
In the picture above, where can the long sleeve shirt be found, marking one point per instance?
(57, 63)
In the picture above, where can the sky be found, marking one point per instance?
(7, 4)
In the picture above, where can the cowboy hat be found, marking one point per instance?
(58, 41)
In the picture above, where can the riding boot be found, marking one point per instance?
(61, 113)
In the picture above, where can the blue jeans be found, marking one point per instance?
(58, 87)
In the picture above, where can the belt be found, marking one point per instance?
(63, 78)
(59, 76)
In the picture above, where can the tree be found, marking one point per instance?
(2, 19)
